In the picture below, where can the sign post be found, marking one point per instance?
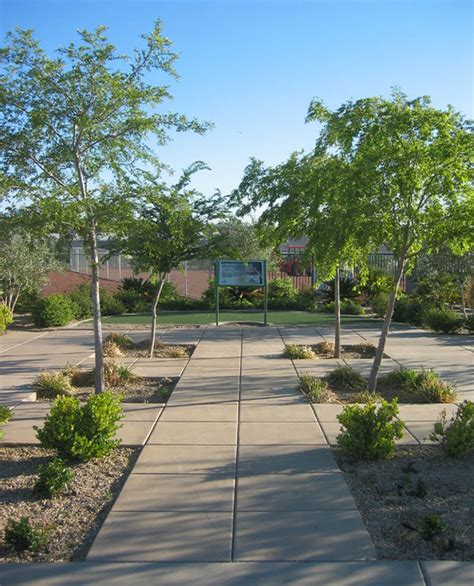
(237, 273)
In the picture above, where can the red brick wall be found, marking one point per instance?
(65, 281)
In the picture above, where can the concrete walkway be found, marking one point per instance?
(236, 483)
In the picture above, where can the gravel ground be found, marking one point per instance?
(141, 350)
(140, 390)
(389, 495)
(72, 520)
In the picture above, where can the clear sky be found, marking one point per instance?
(252, 67)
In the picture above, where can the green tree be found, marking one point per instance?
(26, 259)
(171, 225)
(74, 128)
(412, 177)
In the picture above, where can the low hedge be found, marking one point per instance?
(6, 317)
(53, 311)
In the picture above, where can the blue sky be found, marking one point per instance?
(252, 67)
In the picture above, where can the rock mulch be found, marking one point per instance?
(395, 495)
(73, 519)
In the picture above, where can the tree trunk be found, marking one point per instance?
(374, 373)
(337, 312)
(154, 312)
(99, 357)
(462, 286)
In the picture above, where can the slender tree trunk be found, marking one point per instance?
(99, 357)
(154, 312)
(462, 288)
(14, 302)
(337, 312)
(374, 373)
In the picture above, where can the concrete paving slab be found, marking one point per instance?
(425, 412)
(160, 537)
(186, 459)
(302, 535)
(176, 492)
(277, 492)
(265, 398)
(281, 433)
(380, 573)
(286, 460)
(134, 433)
(20, 431)
(203, 412)
(421, 430)
(449, 573)
(197, 432)
(332, 430)
(327, 412)
(142, 411)
(268, 412)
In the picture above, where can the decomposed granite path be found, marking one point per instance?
(236, 485)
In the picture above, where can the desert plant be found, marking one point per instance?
(316, 389)
(53, 478)
(296, 352)
(423, 386)
(21, 536)
(116, 374)
(369, 432)
(6, 317)
(53, 311)
(121, 340)
(346, 378)
(82, 432)
(325, 347)
(456, 436)
(177, 352)
(443, 321)
(5, 415)
(111, 350)
(430, 526)
(50, 385)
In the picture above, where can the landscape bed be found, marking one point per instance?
(417, 505)
(71, 520)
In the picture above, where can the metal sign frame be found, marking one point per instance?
(263, 283)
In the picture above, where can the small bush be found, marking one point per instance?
(142, 287)
(443, 321)
(457, 436)
(348, 307)
(110, 305)
(50, 385)
(177, 352)
(282, 289)
(379, 304)
(469, 323)
(430, 527)
(20, 536)
(316, 389)
(348, 289)
(325, 347)
(53, 478)
(346, 378)
(81, 301)
(53, 311)
(421, 387)
(116, 374)
(133, 301)
(6, 317)
(378, 282)
(369, 433)
(296, 352)
(111, 350)
(82, 432)
(5, 415)
(120, 340)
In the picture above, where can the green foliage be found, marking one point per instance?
(377, 282)
(132, 301)
(369, 433)
(81, 301)
(282, 289)
(349, 289)
(379, 303)
(20, 536)
(116, 374)
(430, 526)
(5, 415)
(443, 321)
(457, 436)
(469, 323)
(438, 288)
(346, 378)
(348, 307)
(144, 288)
(315, 388)
(6, 317)
(50, 385)
(110, 305)
(53, 311)
(121, 340)
(53, 478)
(82, 432)
(423, 386)
(297, 352)
(410, 310)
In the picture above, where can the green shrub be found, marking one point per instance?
(81, 301)
(110, 305)
(53, 478)
(183, 304)
(53, 311)
(350, 307)
(82, 432)
(457, 436)
(348, 289)
(20, 536)
(282, 289)
(5, 415)
(369, 433)
(116, 374)
(132, 301)
(410, 310)
(437, 289)
(378, 282)
(27, 301)
(6, 317)
(315, 388)
(144, 288)
(379, 304)
(296, 352)
(430, 526)
(443, 321)
(423, 386)
(50, 385)
(346, 378)
(469, 323)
